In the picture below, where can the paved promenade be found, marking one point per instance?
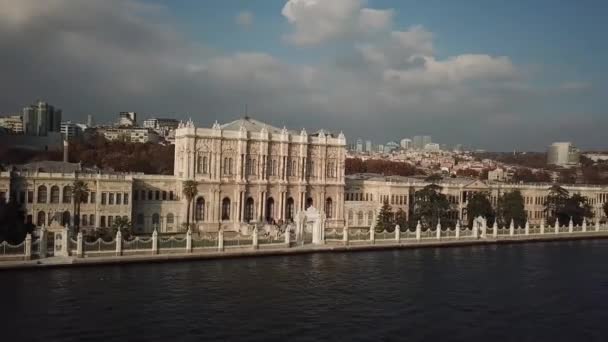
(294, 250)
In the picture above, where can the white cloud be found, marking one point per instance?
(375, 20)
(244, 18)
(318, 21)
(100, 57)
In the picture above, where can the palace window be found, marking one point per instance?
(93, 196)
(54, 194)
(226, 209)
(329, 207)
(67, 194)
(249, 207)
(119, 198)
(42, 194)
(126, 198)
(199, 209)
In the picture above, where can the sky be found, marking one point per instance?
(491, 74)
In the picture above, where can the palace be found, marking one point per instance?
(246, 171)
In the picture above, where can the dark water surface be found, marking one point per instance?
(525, 292)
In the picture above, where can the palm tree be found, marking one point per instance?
(79, 194)
(190, 190)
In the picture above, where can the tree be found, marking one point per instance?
(430, 206)
(79, 194)
(576, 208)
(13, 227)
(123, 224)
(479, 205)
(385, 218)
(401, 219)
(190, 190)
(555, 203)
(511, 207)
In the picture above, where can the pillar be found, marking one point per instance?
(584, 225)
(119, 243)
(79, 245)
(42, 243)
(154, 242)
(397, 232)
(287, 237)
(495, 229)
(372, 235)
(345, 235)
(189, 241)
(597, 224)
(484, 228)
(512, 228)
(418, 229)
(220, 240)
(527, 228)
(28, 246)
(570, 226)
(556, 226)
(438, 230)
(458, 229)
(64, 241)
(254, 238)
(475, 229)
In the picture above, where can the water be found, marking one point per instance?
(524, 292)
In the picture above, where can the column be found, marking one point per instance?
(220, 240)
(28, 246)
(154, 242)
(79, 245)
(264, 196)
(119, 242)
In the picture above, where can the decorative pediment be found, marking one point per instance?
(477, 184)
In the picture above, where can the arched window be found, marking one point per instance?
(230, 166)
(290, 209)
(67, 194)
(270, 209)
(204, 164)
(309, 202)
(65, 218)
(164, 195)
(199, 165)
(370, 218)
(42, 194)
(199, 209)
(92, 220)
(225, 166)
(226, 209)
(155, 219)
(359, 218)
(140, 218)
(329, 207)
(54, 194)
(350, 217)
(274, 167)
(249, 207)
(41, 220)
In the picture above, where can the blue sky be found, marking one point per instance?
(500, 75)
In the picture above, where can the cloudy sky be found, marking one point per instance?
(499, 75)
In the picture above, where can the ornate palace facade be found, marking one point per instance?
(246, 172)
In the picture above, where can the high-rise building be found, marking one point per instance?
(90, 121)
(127, 119)
(359, 145)
(421, 140)
(406, 143)
(563, 154)
(368, 146)
(41, 118)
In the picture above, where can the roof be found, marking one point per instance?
(48, 166)
(251, 125)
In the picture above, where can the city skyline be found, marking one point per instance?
(379, 68)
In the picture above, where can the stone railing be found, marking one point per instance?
(224, 240)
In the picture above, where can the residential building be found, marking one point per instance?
(13, 123)
(127, 119)
(406, 143)
(41, 118)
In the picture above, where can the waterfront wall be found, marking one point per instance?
(64, 245)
